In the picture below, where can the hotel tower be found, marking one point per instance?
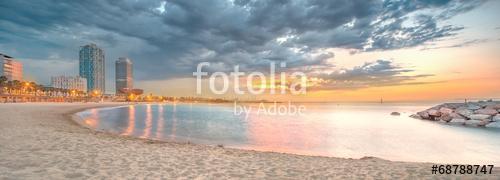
(124, 78)
(92, 68)
(11, 68)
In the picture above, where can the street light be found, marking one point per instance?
(96, 92)
(131, 97)
(26, 86)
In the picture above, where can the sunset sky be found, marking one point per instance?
(352, 50)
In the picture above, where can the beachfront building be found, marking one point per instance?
(92, 68)
(69, 82)
(124, 78)
(11, 68)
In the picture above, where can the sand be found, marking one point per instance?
(41, 141)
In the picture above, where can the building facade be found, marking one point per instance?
(69, 82)
(124, 77)
(92, 68)
(11, 68)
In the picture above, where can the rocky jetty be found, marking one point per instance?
(479, 114)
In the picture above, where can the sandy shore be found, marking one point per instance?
(39, 141)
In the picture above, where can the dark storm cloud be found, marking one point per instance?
(168, 39)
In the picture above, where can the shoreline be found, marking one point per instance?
(43, 144)
(74, 118)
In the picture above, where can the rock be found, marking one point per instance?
(473, 122)
(464, 112)
(395, 113)
(457, 121)
(493, 106)
(479, 116)
(444, 110)
(484, 122)
(423, 115)
(416, 116)
(453, 105)
(486, 111)
(481, 113)
(457, 116)
(433, 113)
(446, 117)
(493, 125)
(496, 118)
(473, 107)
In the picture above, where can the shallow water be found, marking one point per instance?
(339, 130)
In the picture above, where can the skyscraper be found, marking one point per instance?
(124, 78)
(11, 68)
(92, 68)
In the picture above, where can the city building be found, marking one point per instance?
(124, 78)
(11, 68)
(69, 82)
(92, 67)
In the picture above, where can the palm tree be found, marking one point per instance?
(39, 89)
(17, 85)
(3, 81)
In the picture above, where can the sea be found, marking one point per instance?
(346, 130)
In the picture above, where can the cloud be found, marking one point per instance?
(370, 74)
(461, 44)
(166, 39)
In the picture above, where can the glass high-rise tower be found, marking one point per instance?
(124, 79)
(92, 67)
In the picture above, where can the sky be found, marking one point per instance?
(350, 50)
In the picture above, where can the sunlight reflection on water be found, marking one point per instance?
(340, 130)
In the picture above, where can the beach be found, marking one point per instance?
(41, 141)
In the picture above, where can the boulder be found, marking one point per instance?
(457, 116)
(457, 121)
(464, 112)
(486, 111)
(496, 118)
(479, 116)
(493, 106)
(433, 112)
(444, 110)
(416, 116)
(446, 117)
(453, 105)
(484, 122)
(395, 113)
(423, 115)
(473, 107)
(493, 125)
(473, 122)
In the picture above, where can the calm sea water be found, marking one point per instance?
(339, 130)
